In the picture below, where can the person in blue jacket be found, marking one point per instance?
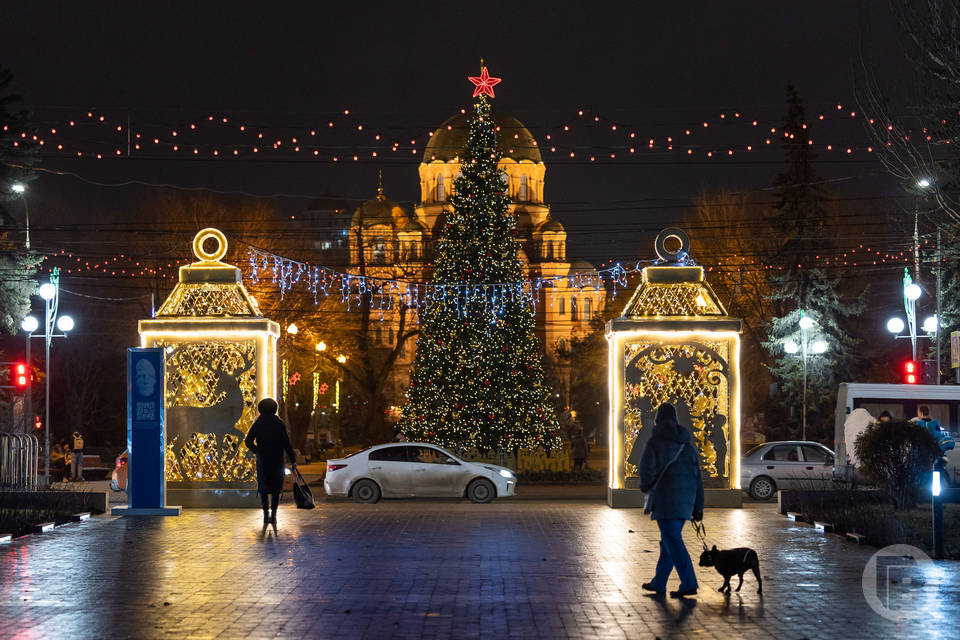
(670, 469)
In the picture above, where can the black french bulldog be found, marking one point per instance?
(733, 561)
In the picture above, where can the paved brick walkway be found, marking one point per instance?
(408, 569)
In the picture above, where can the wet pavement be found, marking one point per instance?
(437, 569)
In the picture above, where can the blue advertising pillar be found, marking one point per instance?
(146, 454)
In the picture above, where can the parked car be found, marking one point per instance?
(784, 465)
(118, 478)
(415, 469)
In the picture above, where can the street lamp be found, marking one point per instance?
(911, 293)
(20, 189)
(292, 329)
(50, 292)
(805, 347)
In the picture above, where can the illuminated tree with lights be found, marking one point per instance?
(477, 380)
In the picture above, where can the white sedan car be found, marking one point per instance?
(415, 469)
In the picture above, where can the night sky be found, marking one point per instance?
(653, 68)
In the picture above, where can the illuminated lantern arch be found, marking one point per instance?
(674, 342)
(221, 360)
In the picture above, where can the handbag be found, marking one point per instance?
(648, 498)
(302, 495)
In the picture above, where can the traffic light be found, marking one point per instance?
(911, 372)
(37, 425)
(17, 376)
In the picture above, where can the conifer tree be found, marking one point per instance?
(797, 288)
(17, 156)
(477, 379)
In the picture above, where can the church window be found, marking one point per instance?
(548, 254)
(390, 336)
(379, 252)
(588, 310)
(441, 191)
(379, 335)
(573, 309)
(523, 189)
(563, 306)
(505, 179)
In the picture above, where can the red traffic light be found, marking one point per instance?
(20, 375)
(911, 371)
(36, 423)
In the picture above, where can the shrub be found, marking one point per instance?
(896, 456)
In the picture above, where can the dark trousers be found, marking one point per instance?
(673, 554)
(274, 501)
(578, 463)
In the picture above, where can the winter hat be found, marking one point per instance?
(268, 407)
(666, 413)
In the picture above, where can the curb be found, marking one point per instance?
(826, 527)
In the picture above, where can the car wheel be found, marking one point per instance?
(366, 491)
(762, 488)
(481, 491)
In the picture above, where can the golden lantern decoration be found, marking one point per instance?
(221, 360)
(675, 343)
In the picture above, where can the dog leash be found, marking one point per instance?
(701, 531)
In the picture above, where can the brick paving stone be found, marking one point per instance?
(435, 569)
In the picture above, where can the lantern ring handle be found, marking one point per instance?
(672, 256)
(210, 256)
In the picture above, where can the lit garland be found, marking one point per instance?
(224, 136)
(386, 293)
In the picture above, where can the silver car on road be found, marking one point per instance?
(784, 465)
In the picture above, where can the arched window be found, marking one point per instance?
(548, 254)
(441, 191)
(588, 309)
(573, 309)
(379, 335)
(563, 306)
(523, 189)
(390, 336)
(379, 252)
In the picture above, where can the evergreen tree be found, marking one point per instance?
(796, 289)
(477, 380)
(18, 154)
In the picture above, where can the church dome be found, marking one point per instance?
(550, 225)
(379, 211)
(514, 140)
(581, 266)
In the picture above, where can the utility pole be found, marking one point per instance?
(939, 273)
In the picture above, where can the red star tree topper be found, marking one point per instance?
(484, 83)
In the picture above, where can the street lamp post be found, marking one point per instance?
(50, 292)
(806, 347)
(21, 189)
(930, 326)
(29, 325)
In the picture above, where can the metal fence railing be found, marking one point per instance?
(19, 456)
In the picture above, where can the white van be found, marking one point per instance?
(901, 400)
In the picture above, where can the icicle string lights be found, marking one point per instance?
(385, 294)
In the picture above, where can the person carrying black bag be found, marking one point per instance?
(268, 439)
(670, 475)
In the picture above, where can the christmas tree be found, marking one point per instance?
(477, 380)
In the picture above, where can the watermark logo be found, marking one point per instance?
(900, 582)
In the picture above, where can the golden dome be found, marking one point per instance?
(379, 211)
(514, 139)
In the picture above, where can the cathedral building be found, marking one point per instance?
(387, 241)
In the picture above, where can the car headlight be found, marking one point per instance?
(505, 473)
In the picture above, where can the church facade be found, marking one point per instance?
(387, 241)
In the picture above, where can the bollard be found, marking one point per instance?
(937, 507)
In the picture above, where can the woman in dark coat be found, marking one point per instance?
(268, 439)
(677, 497)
